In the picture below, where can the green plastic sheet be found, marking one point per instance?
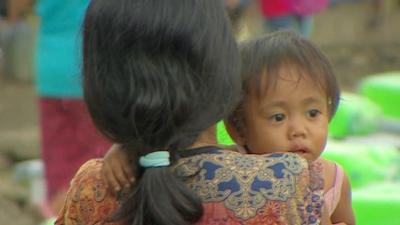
(384, 90)
(356, 115)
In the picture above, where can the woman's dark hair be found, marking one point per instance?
(266, 55)
(156, 74)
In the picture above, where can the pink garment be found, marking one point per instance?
(308, 7)
(69, 139)
(274, 8)
(332, 196)
(277, 8)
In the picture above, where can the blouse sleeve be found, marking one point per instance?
(89, 201)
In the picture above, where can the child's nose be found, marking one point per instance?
(297, 129)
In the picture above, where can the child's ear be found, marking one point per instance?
(235, 134)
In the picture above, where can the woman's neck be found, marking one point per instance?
(206, 138)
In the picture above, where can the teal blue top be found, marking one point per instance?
(58, 51)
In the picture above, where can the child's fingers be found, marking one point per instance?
(121, 176)
(111, 178)
(118, 168)
(128, 172)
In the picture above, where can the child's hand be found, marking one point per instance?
(117, 169)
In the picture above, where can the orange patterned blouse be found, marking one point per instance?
(235, 189)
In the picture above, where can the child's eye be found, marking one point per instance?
(313, 113)
(278, 117)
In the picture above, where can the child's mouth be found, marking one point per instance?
(300, 150)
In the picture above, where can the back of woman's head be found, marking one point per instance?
(157, 73)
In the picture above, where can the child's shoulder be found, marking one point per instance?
(337, 192)
(330, 172)
(333, 174)
(327, 165)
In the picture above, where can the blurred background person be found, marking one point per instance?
(68, 137)
(237, 10)
(17, 39)
(377, 13)
(295, 15)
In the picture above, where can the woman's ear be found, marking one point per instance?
(235, 134)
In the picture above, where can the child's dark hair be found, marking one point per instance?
(157, 73)
(266, 55)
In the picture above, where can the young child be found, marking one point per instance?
(290, 95)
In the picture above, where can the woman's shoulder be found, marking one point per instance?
(250, 182)
(89, 199)
(241, 163)
(238, 160)
(238, 163)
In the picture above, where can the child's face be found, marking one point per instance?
(293, 116)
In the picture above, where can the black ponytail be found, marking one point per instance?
(160, 198)
(157, 73)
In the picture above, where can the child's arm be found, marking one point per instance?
(325, 220)
(116, 168)
(344, 211)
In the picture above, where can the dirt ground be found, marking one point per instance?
(355, 50)
(354, 47)
(18, 141)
